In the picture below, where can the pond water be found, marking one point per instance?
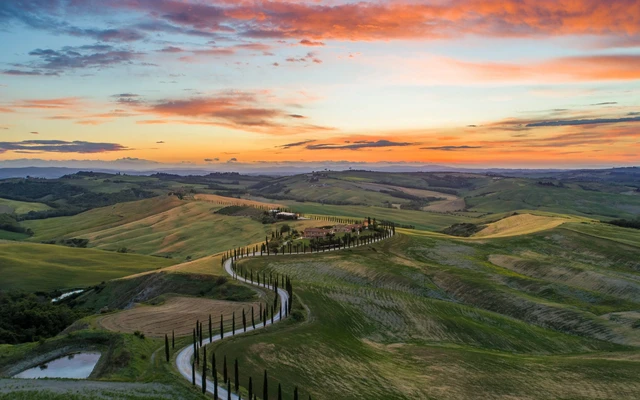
(65, 295)
(73, 366)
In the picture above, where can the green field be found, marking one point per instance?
(429, 317)
(513, 194)
(20, 207)
(41, 267)
(163, 226)
(420, 219)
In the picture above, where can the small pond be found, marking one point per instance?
(72, 366)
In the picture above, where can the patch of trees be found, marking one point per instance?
(75, 242)
(550, 184)
(9, 223)
(626, 223)
(29, 318)
(464, 229)
(66, 199)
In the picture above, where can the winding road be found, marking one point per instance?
(184, 357)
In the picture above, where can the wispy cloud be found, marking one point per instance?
(364, 144)
(450, 148)
(296, 144)
(59, 146)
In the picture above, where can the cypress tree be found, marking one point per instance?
(195, 344)
(229, 390)
(265, 387)
(279, 392)
(253, 319)
(210, 329)
(273, 310)
(244, 321)
(193, 374)
(204, 371)
(200, 335)
(225, 375)
(214, 372)
(260, 311)
(221, 328)
(286, 308)
(233, 323)
(295, 393)
(250, 388)
(237, 376)
(264, 319)
(166, 346)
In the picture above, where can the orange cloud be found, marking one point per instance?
(230, 109)
(401, 19)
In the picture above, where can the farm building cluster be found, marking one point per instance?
(311, 233)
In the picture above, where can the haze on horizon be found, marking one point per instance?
(513, 83)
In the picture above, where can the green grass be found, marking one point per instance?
(40, 267)
(163, 226)
(513, 194)
(6, 235)
(20, 207)
(419, 219)
(432, 317)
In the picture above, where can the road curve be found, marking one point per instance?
(183, 359)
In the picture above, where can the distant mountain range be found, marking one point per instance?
(54, 169)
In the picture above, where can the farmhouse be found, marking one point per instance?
(347, 228)
(311, 233)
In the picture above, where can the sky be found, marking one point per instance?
(474, 83)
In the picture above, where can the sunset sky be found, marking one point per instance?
(510, 83)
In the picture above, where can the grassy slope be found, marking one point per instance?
(516, 194)
(419, 219)
(433, 318)
(159, 226)
(33, 267)
(20, 207)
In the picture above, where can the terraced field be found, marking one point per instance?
(431, 317)
(178, 314)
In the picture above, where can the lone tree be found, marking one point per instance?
(265, 387)
(237, 376)
(166, 346)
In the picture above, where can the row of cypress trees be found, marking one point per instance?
(267, 281)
